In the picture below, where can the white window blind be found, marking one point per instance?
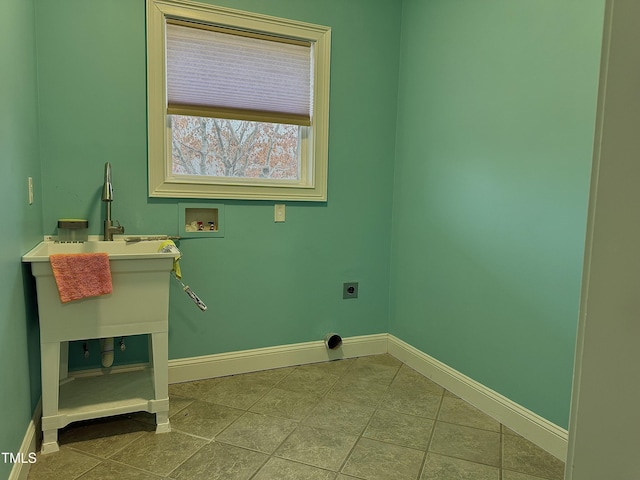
(218, 72)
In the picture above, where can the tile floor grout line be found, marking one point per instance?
(293, 461)
(177, 411)
(259, 468)
(167, 475)
(267, 390)
(428, 417)
(88, 454)
(77, 477)
(246, 411)
(125, 446)
(102, 460)
(362, 432)
(479, 463)
(193, 435)
(273, 453)
(464, 425)
(117, 462)
(433, 431)
(324, 396)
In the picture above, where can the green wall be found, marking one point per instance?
(478, 263)
(22, 224)
(265, 284)
(495, 131)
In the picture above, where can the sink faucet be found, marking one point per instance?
(107, 196)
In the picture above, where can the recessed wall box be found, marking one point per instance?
(200, 220)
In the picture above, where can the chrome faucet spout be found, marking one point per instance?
(107, 196)
(107, 188)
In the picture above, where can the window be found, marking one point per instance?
(237, 104)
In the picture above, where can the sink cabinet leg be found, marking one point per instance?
(162, 422)
(159, 356)
(50, 365)
(50, 441)
(64, 360)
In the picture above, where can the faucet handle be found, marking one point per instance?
(117, 228)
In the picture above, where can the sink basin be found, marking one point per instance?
(140, 278)
(117, 249)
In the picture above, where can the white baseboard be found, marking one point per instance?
(244, 361)
(20, 471)
(533, 427)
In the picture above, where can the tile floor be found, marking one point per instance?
(370, 418)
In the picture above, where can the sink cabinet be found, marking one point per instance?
(139, 304)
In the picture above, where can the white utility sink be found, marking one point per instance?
(140, 279)
(139, 304)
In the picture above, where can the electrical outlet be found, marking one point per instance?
(350, 290)
(279, 213)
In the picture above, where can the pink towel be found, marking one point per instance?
(81, 275)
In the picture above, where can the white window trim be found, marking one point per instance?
(162, 183)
